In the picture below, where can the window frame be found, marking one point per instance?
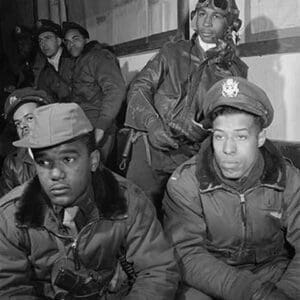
(269, 42)
(156, 41)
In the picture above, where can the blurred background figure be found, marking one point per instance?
(27, 50)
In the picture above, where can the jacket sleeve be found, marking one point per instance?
(290, 281)
(108, 76)
(140, 96)
(15, 272)
(7, 177)
(185, 226)
(152, 256)
(239, 68)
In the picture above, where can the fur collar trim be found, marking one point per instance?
(109, 197)
(274, 173)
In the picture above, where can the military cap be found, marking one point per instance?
(44, 25)
(55, 124)
(66, 26)
(21, 96)
(239, 93)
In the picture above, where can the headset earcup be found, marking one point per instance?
(237, 24)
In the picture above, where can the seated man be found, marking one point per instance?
(54, 74)
(232, 211)
(19, 106)
(76, 229)
(97, 84)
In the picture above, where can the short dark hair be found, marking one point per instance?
(228, 110)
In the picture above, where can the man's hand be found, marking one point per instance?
(159, 138)
(197, 132)
(98, 134)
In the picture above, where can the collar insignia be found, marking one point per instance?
(230, 88)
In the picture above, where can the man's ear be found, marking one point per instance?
(94, 160)
(262, 138)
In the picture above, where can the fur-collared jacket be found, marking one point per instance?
(17, 168)
(232, 245)
(34, 246)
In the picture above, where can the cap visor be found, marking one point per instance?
(241, 106)
(23, 143)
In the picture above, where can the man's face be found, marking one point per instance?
(23, 118)
(211, 24)
(74, 42)
(64, 171)
(236, 140)
(49, 43)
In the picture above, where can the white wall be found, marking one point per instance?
(278, 75)
(132, 64)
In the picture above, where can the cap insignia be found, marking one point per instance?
(12, 99)
(18, 30)
(230, 88)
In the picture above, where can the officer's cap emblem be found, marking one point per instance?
(39, 24)
(230, 88)
(12, 99)
(18, 30)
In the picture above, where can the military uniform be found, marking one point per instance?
(236, 238)
(98, 87)
(57, 83)
(103, 241)
(169, 91)
(18, 165)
